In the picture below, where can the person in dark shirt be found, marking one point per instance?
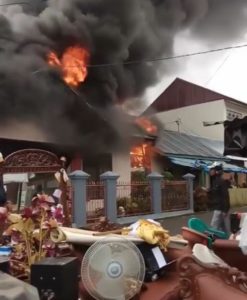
(3, 196)
(220, 200)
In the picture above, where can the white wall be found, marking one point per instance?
(192, 118)
(121, 165)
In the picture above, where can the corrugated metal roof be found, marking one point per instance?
(217, 146)
(180, 144)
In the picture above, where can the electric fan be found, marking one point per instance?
(113, 269)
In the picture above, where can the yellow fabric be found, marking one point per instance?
(153, 234)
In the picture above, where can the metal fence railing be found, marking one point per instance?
(133, 198)
(95, 200)
(174, 196)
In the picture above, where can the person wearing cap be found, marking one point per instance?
(220, 199)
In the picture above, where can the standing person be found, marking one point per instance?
(212, 176)
(220, 199)
(3, 196)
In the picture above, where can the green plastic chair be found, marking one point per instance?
(198, 225)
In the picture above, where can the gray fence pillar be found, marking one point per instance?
(190, 188)
(79, 184)
(110, 183)
(155, 180)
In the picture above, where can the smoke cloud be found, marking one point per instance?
(114, 32)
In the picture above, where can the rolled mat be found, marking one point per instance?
(86, 237)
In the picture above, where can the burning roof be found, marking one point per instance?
(67, 67)
(72, 64)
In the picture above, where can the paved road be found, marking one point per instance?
(174, 224)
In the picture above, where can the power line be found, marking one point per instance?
(15, 3)
(134, 62)
(218, 68)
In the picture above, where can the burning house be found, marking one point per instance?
(69, 71)
(58, 79)
(68, 67)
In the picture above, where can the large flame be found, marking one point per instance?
(140, 156)
(73, 63)
(147, 125)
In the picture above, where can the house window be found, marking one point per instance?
(231, 115)
(140, 157)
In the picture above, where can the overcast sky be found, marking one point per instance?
(224, 72)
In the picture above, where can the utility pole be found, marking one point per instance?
(178, 122)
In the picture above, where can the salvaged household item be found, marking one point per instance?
(88, 237)
(204, 276)
(157, 262)
(56, 277)
(113, 270)
(154, 290)
(228, 250)
(84, 237)
(149, 231)
(194, 237)
(4, 264)
(231, 253)
(199, 225)
(14, 289)
(234, 251)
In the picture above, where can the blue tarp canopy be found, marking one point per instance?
(204, 164)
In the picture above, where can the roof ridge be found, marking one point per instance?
(192, 94)
(206, 88)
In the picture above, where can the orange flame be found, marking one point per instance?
(140, 156)
(147, 125)
(73, 64)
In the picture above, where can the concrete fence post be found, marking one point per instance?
(155, 180)
(79, 184)
(110, 184)
(190, 189)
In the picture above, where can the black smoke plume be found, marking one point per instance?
(115, 32)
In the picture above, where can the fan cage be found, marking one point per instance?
(115, 242)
